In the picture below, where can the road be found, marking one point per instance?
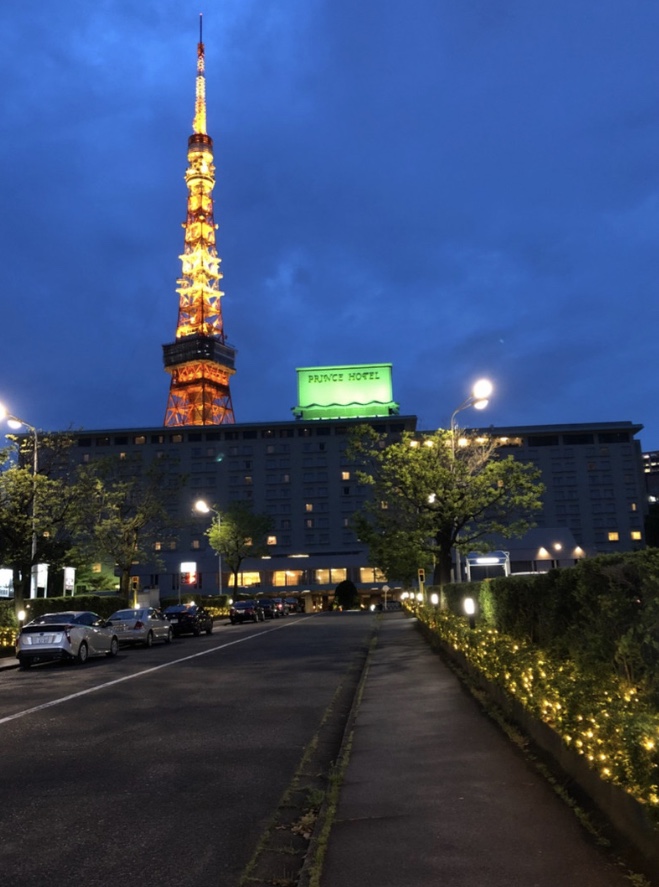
(163, 766)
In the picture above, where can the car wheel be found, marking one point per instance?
(25, 663)
(83, 653)
(149, 640)
(209, 630)
(168, 637)
(196, 631)
(114, 647)
(232, 621)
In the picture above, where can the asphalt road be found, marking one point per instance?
(163, 766)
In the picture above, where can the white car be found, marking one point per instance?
(75, 635)
(141, 626)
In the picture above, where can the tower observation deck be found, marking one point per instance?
(200, 361)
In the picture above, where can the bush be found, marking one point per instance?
(346, 595)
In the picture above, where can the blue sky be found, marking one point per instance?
(462, 188)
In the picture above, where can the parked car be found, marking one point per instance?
(269, 609)
(76, 635)
(141, 626)
(292, 605)
(246, 611)
(279, 605)
(189, 619)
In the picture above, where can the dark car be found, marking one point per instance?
(189, 619)
(292, 605)
(246, 611)
(269, 609)
(280, 606)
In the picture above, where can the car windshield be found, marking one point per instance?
(242, 605)
(53, 618)
(125, 614)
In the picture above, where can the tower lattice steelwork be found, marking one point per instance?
(200, 361)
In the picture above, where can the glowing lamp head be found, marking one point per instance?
(201, 506)
(482, 391)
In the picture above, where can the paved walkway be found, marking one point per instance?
(436, 796)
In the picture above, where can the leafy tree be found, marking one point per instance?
(36, 510)
(346, 595)
(434, 492)
(125, 513)
(238, 533)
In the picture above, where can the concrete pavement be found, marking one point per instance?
(435, 794)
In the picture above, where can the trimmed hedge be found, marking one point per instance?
(602, 615)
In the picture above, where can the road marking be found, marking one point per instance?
(139, 674)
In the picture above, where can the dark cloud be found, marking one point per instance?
(458, 189)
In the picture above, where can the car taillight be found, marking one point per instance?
(139, 624)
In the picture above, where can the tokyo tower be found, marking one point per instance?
(200, 361)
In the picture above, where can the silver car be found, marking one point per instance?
(141, 626)
(76, 635)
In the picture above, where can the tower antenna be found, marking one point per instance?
(200, 360)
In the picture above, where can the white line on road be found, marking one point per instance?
(139, 674)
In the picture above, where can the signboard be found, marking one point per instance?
(342, 392)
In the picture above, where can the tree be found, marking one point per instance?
(238, 533)
(432, 493)
(346, 595)
(125, 514)
(36, 510)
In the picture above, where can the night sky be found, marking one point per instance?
(462, 188)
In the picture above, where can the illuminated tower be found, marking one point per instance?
(200, 361)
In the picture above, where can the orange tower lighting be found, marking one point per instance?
(200, 361)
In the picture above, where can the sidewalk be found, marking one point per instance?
(436, 796)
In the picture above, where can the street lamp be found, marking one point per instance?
(478, 399)
(204, 508)
(15, 422)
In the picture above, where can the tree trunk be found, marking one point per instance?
(443, 565)
(21, 583)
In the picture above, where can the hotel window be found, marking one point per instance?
(308, 523)
(123, 457)
(177, 438)
(196, 544)
(157, 546)
(140, 439)
(613, 536)
(248, 478)
(272, 540)
(636, 535)
(308, 506)
(633, 506)
(345, 475)
(97, 568)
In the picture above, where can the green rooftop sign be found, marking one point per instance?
(345, 392)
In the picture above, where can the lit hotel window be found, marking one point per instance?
(345, 475)
(308, 506)
(614, 536)
(272, 540)
(636, 535)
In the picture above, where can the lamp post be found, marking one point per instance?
(15, 422)
(204, 508)
(478, 399)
